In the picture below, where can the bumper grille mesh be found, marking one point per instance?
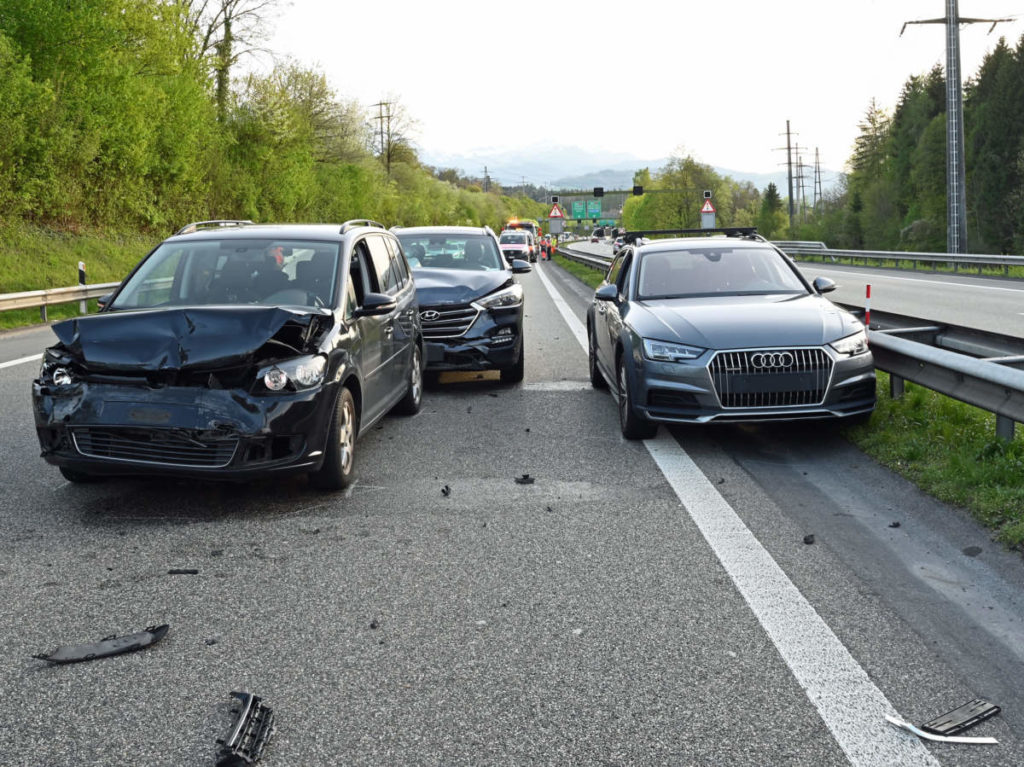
(159, 446)
(740, 383)
(450, 322)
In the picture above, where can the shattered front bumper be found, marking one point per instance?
(102, 428)
(494, 341)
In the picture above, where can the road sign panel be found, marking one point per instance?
(556, 212)
(708, 207)
(579, 209)
(594, 208)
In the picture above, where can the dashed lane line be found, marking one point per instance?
(849, 703)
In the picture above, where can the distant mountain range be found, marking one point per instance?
(565, 167)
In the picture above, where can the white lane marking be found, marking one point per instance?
(849, 703)
(21, 361)
(557, 386)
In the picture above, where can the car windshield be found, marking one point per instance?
(715, 271)
(234, 271)
(513, 238)
(451, 251)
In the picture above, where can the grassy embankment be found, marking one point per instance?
(947, 448)
(32, 259)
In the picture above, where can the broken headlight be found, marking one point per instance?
(56, 372)
(502, 299)
(293, 375)
(852, 345)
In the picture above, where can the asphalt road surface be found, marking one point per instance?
(638, 604)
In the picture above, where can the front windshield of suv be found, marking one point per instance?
(716, 270)
(513, 238)
(451, 251)
(271, 272)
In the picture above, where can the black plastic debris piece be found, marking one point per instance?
(249, 733)
(526, 479)
(446, 491)
(809, 539)
(374, 625)
(963, 718)
(111, 645)
(894, 524)
(183, 571)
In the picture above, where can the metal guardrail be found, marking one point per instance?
(813, 253)
(30, 299)
(973, 366)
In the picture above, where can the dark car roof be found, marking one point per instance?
(688, 243)
(399, 231)
(293, 231)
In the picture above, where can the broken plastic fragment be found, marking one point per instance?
(526, 479)
(905, 725)
(111, 645)
(962, 718)
(249, 734)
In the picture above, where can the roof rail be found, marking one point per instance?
(730, 231)
(195, 226)
(354, 222)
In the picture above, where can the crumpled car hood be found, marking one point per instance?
(736, 322)
(194, 337)
(455, 286)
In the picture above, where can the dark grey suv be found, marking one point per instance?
(234, 351)
(723, 328)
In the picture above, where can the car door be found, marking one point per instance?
(395, 347)
(608, 313)
(373, 343)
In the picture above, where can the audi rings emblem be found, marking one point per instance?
(430, 315)
(771, 360)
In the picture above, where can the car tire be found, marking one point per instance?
(78, 477)
(515, 373)
(633, 426)
(412, 401)
(596, 379)
(338, 468)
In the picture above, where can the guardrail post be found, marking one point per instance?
(895, 386)
(1004, 427)
(83, 306)
(42, 313)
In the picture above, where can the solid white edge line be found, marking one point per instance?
(849, 703)
(21, 361)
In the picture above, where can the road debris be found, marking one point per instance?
(894, 524)
(809, 539)
(526, 479)
(446, 491)
(905, 725)
(963, 718)
(183, 571)
(249, 733)
(111, 645)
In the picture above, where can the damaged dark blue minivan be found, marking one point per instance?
(236, 350)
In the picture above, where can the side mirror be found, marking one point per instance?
(104, 299)
(521, 267)
(607, 293)
(376, 304)
(824, 285)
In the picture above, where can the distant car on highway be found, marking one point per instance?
(517, 243)
(471, 305)
(701, 329)
(236, 351)
(617, 245)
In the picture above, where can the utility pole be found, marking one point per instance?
(956, 203)
(818, 195)
(789, 166)
(487, 180)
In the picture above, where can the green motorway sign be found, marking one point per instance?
(579, 209)
(593, 208)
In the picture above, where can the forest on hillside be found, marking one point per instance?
(893, 196)
(140, 116)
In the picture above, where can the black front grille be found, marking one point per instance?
(765, 378)
(159, 446)
(447, 321)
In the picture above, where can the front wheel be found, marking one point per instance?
(515, 373)
(339, 457)
(633, 425)
(413, 399)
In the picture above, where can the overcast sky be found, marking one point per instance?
(717, 78)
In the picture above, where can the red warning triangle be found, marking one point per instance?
(708, 207)
(556, 212)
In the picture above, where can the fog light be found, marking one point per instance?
(62, 376)
(275, 379)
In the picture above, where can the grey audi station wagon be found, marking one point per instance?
(723, 328)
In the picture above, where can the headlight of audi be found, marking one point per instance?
(506, 298)
(852, 345)
(663, 351)
(294, 374)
